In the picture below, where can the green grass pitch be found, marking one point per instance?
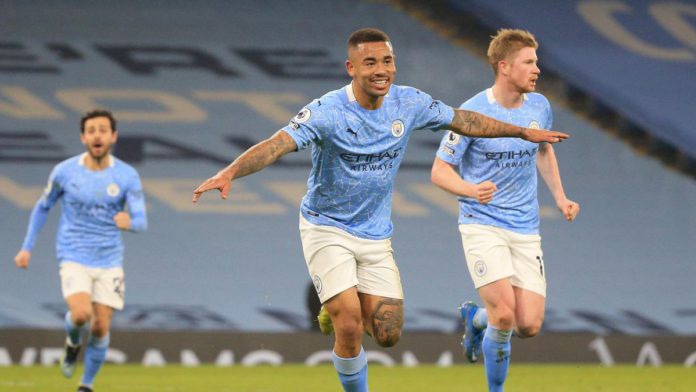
(290, 378)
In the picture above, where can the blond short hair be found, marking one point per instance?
(506, 42)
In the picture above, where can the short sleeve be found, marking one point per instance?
(310, 125)
(452, 148)
(433, 114)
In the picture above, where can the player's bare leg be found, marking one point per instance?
(348, 357)
(529, 312)
(383, 318)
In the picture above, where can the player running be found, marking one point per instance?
(358, 136)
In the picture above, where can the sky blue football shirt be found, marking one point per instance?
(510, 163)
(356, 153)
(86, 232)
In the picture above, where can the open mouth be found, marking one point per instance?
(382, 83)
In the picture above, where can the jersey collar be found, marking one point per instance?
(351, 95)
(84, 156)
(491, 97)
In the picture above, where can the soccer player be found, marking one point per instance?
(358, 135)
(496, 182)
(95, 188)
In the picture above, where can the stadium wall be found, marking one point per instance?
(27, 347)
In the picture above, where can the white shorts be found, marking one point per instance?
(493, 254)
(104, 285)
(338, 261)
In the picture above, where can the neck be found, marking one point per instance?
(507, 95)
(97, 163)
(365, 100)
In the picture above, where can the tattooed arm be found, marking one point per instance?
(252, 160)
(474, 124)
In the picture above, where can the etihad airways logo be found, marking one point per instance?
(512, 154)
(369, 158)
(371, 162)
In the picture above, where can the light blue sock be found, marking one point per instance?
(94, 358)
(352, 372)
(481, 319)
(74, 332)
(496, 354)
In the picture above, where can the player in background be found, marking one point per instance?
(95, 188)
(496, 182)
(358, 135)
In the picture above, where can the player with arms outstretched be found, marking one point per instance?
(358, 136)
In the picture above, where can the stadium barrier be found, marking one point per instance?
(27, 347)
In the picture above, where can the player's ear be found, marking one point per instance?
(350, 68)
(504, 66)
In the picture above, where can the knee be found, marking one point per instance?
(348, 326)
(388, 337)
(502, 318)
(80, 316)
(387, 323)
(100, 328)
(528, 331)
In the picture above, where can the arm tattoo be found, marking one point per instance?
(387, 321)
(474, 124)
(263, 154)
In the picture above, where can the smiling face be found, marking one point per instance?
(98, 137)
(371, 65)
(521, 70)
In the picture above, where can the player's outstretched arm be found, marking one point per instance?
(252, 160)
(468, 123)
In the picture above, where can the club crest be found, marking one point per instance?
(318, 285)
(480, 268)
(113, 190)
(398, 128)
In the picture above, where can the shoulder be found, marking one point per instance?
(538, 99)
(66, 166)
(412, 98)
(124, 168)
(477, 101)
(329, 101)
(408, 92)
(320, 108)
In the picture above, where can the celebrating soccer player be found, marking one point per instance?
(95, 188)
(358, 136)
(498, 209)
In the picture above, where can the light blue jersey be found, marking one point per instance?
(87, 233)
(356, 153)
(510, 163)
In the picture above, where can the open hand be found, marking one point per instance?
(218, 181)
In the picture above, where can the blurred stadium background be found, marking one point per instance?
(195, 83)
